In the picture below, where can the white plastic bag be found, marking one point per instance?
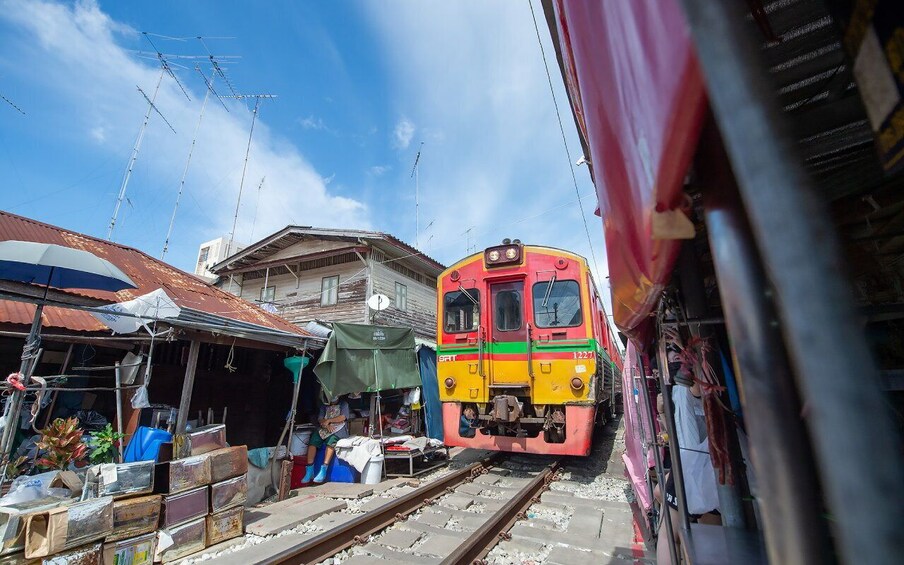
(28, 488)
(140, 398)
(696, 464)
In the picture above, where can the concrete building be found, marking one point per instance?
(305, 274)
(212, 252)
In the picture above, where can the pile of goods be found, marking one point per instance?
(130, 513)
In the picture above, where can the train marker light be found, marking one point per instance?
(577, 383)
(449, 382)
(503, 255)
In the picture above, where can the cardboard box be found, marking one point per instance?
(135, 516)
(200, 440)
(228, 493)
(225, 525)
(178, 541)
(121, 479)
(184, 506)
(227, 463)
(182, 474)
(58, 529)
(12, 522)
(133, 551)
(356, 426)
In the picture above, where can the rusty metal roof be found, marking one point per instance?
(189, 292)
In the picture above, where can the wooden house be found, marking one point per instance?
(306, 274)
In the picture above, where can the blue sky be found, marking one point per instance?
(360, 84)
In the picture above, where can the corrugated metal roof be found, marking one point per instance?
(290, 235)
(188, 291)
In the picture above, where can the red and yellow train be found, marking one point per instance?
(525, 360)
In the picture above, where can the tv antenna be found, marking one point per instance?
(217, 68)
(417, 203)
(10, 102)
(238, 203)
(164, 69)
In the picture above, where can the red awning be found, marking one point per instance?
(639, 101)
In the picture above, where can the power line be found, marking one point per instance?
(555, 102)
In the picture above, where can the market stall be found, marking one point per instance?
(380, 364)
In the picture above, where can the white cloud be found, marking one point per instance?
(403, 133)
(313, 123)
(83, 64)
(378, 170)
(98, 134)
(493, 156)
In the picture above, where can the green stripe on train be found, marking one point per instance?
(516, 347)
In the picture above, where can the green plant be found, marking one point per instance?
(103, 445)
(61, 444)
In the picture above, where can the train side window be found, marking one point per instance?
(461, 310)
(508, 310)
(557, 304)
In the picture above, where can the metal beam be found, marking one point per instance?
(790, 500)
(857, 448)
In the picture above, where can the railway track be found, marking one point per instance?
(476, 545)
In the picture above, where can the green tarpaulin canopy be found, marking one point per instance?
(363, 358)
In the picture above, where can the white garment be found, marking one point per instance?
(696, 464)
(358, 451)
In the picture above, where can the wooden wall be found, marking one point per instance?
(421, 311)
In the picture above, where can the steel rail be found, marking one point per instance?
(328, 544)
(487, 536)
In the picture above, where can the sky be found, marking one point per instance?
(360, 86)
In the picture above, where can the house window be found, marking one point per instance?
(202, 257)
(329, 291)
(401, 296)
(268, 294)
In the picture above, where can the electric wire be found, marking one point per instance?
(555, 102)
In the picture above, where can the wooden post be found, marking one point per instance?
(187, 385)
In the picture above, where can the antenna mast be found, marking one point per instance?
(164, 69)
(238, 202)
(209, 83)
(256, 204)
(417, 198)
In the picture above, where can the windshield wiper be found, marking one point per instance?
(552, 281)
(466, 293)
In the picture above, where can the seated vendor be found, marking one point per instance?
(333, 427)
(467, 426)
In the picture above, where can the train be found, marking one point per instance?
(526, 361)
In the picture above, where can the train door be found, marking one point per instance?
(508, 335)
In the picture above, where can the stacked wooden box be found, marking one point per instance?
(135, 513)
(203, 493)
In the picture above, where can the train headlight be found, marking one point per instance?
(449, 382)
(577, 384)
(503, 255)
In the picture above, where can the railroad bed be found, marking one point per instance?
(518, 508)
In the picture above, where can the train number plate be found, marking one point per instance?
(583, 354)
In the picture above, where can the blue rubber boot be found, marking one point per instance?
(321, 475)
(308, 474)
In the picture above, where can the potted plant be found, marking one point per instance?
(60, 445)
(103, 445)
